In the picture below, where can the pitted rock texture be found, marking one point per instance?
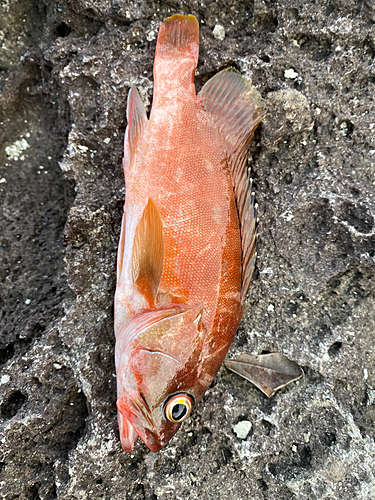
(66, 70)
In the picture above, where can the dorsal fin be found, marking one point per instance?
(248, 235)
(137, 120)
(236, 109)
(147, 253)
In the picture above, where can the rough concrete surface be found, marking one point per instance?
(66, 68)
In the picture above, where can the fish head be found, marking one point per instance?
(159, 374)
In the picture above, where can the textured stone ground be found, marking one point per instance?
(65, 72)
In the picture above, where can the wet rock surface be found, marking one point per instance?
(66, 70)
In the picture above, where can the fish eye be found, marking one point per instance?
(178, 408)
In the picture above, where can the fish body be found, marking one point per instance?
(187, 245)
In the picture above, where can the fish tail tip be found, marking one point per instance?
(179, 33)
(188, 23)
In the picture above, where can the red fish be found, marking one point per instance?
(187, 245)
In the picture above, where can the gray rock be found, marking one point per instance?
(288, 114)
(66, 72)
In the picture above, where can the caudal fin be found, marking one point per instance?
(176, 58)
(178, 37)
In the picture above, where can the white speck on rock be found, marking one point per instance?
(4, 379)
(107, 140)
(371, 397)
(151, 35)
(13, 152)
(27, 302)
(271, 308)
(266, 270)
(218, 32)
(3, 180)
(290, 74)
(242, 429)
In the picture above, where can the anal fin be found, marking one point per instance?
(148, 253)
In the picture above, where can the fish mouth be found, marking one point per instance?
(154, 442)
(139, 415)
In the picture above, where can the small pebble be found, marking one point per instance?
(4, 379)
(242, 429)
(219, 32)
(290, 74)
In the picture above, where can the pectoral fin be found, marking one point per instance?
(147, 253)
(236, 109)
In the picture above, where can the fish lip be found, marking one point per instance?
(152, 441)
(146, 429)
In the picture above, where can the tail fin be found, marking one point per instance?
(176, 56)
(178, 38)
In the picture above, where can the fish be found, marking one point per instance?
(187, 245)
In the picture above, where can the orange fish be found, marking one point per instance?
(187, 245)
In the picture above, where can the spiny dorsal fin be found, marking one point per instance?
(147, 253)
(248, 234)
(137, 120)
(236, 109)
